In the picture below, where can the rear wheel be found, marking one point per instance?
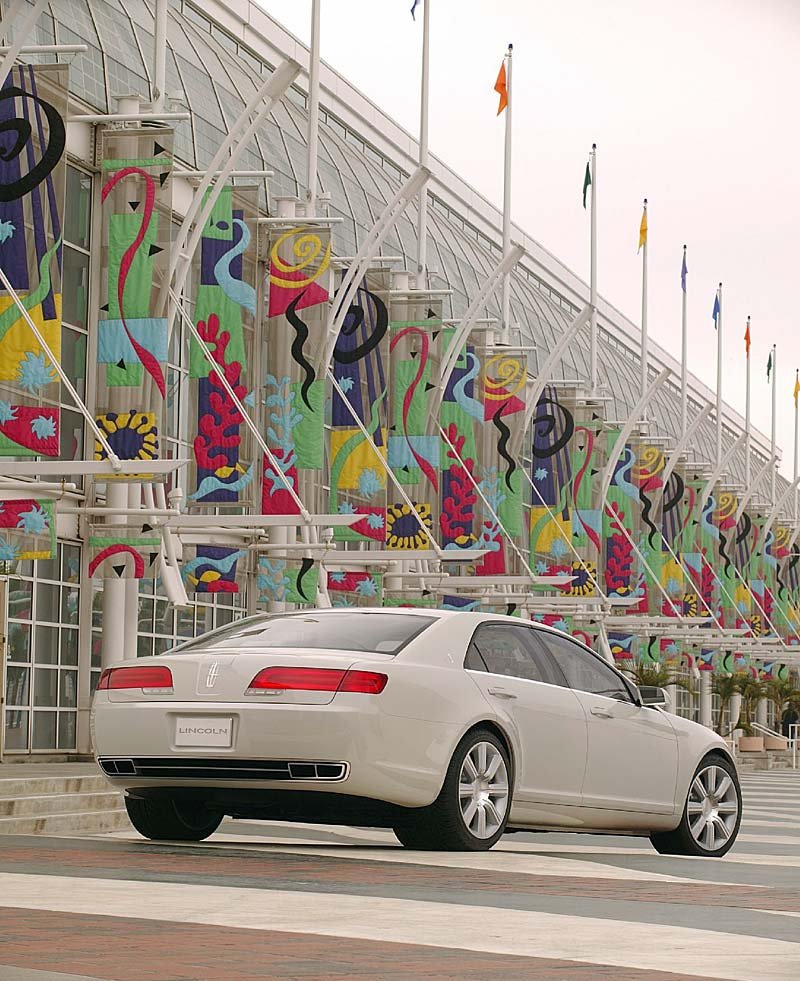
(170, 820)
(711, 815)
(471, 810)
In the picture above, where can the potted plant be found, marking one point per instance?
(724, 686)
(751, 690)
(784, 694)
(656, 675)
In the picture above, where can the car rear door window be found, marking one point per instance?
(583, 670)
(506, 649)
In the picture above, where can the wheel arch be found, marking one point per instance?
(496, 729)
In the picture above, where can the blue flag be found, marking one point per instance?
(413, 8)
(715, 314)
(684, 270)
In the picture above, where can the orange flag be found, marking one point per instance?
(747, 339)
(501, 88)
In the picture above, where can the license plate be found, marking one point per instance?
(204, 730)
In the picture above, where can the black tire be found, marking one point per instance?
(681, 841)
(441, 826)
(169, 820)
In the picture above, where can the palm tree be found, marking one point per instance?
(725, 686)
(784, 694)
(751, 690)
(657, 675)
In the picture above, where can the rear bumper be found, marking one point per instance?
(386, 758)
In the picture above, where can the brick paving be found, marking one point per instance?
(286, 871)
(121, 949)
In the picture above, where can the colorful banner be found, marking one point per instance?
(33, 108)
(27, 529)
(123, 551)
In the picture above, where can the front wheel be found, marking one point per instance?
(471, 810)
(711, 815)
(170, 820)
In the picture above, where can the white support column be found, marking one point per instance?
(705, 717)
(422, 206)
(160, 56)
(313, 110)
(506, 324)
(593, 276)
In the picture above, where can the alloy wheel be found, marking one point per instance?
(483, 790)
(712, 809)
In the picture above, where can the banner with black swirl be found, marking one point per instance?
(33, 106)
(293, 394)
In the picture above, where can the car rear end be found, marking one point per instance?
(250, 727)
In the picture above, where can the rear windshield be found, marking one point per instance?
(378, 633)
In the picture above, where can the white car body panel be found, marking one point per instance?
(628, 769)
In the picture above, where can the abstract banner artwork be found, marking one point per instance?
(33, 106)
(27, 530)
(287, 581)
(347, 588)
(132, 332)
(358, 482)
(224, 472)
(294, 380)
(123, 551)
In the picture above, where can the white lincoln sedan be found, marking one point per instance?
(450, 728)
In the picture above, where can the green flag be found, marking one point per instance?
(587, 180)
(769, 365)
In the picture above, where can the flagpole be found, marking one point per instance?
(774, 419)
(796, 461)
(593, 274)
(644, 307)
(719, 376)
(747, 415)
(422, 210)
(313, 111)
(684, 370)
(506, 325)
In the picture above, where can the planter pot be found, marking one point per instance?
(775, 742)
(751, 744)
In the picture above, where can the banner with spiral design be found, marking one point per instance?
(33, 107)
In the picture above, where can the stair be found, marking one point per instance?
(72, 803)
(771, 759)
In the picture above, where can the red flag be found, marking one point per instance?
(747, 339)
(501, 88)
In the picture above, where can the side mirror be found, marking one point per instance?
(650, 695)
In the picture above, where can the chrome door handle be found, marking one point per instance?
(502, 693)
(601, 712)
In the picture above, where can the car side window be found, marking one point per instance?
(583, 670)
(505, 649)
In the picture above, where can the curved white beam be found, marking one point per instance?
(754, 486)
(627, 429)
(23, 31)
(776, 509)
(683, 442)
(361, 262)
(462, 332)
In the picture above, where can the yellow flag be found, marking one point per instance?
(796, 386)
(643, 228)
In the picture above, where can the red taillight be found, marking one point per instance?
(318, 679)
(139, 677)
(368, 682)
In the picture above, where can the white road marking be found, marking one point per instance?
(646, 946)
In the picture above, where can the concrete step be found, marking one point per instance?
(28, 786)
(81, 822)
(89, 802)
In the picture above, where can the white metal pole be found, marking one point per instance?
(747, 444)
(796, 461)
(684, 349)
(774, 419)
(719, 376)
(644, 307)
(506, 325)
(160, 55)
(422, 207)
(313, 110)
(593, 273)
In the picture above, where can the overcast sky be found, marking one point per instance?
(692, 105)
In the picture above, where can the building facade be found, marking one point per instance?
(306, 447)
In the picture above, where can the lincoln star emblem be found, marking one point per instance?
(213, 674)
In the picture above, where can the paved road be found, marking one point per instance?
(272, 901)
